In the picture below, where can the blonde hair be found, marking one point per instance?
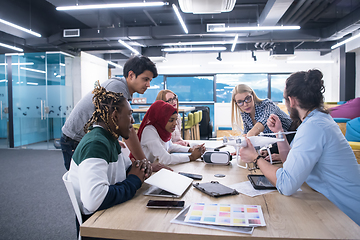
(162, 96)
(236, 120)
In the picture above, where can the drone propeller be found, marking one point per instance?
(271, 134)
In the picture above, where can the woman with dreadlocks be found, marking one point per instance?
(155, 136)
(101, 175)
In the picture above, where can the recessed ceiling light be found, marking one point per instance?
(193, 49)
(20, 28)
(114, 5)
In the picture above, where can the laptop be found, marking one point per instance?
(166, 183)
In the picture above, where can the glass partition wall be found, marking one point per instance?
(3, 104)
(41, 99)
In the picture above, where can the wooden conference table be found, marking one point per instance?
(305, 215)
(182, 111)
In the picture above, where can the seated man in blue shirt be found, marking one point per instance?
(319, 154)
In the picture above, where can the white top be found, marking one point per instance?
(176, 135)
(155, 148)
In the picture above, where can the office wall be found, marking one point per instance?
(357, 73)
(354, 46)
(92, 69)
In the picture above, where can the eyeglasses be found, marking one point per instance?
(171, 99)
(248, 99)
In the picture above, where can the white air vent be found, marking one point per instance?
(71, 33)
(214, 27)
(282, 56)
(206, 6)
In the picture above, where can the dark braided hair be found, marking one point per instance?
(308, 88)
(105, 103)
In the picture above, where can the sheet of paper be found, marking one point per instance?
(247, 189)
(226, 214)
(179, 219)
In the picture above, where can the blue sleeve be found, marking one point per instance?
(121, 192)
(307, 148)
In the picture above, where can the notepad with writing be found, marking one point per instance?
(166, 183)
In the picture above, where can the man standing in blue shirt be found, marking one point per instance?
(319, 154)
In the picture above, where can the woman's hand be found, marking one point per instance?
(182, 143)
(157, 166)
(274, 123)
(196, 152)
(248, 153)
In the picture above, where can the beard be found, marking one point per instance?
(294, 114)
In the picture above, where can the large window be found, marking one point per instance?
(277, 86)
(156, 85)
(225, 84)
(192, 88)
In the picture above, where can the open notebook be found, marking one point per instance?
(166, 183)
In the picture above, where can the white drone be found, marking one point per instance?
(258, 142)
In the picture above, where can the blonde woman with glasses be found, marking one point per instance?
(251, 114)
(171, 98)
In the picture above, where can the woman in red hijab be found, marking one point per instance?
(155, 136)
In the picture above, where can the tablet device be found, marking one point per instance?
(191, 175)
(260, 182)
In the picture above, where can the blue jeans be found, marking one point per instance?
(68, 147)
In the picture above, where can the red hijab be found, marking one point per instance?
(158, 115)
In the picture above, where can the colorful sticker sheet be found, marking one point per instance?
(226, 214)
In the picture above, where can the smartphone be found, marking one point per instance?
(260, 182)
(165, 204)
(192, 175)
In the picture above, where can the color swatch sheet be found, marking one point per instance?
(226, 214)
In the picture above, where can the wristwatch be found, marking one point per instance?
(256, 159)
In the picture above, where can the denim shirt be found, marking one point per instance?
(321, 156)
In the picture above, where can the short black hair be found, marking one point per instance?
(139, 64)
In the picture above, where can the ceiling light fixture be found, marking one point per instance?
(194, 49)
(256, 28)
(63, 53)
(20, 28)
(234, 43)
(115, 5)
(312, 61)
(180, 18)
(32, 70)
(114, 64)
(253, 56)
(32, 83)
(11, 47)
(198, 43)
(24, 64)
(345, 41)
(129, 47)
(219, 57)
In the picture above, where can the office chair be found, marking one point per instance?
(188, 127)
(71, 192)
